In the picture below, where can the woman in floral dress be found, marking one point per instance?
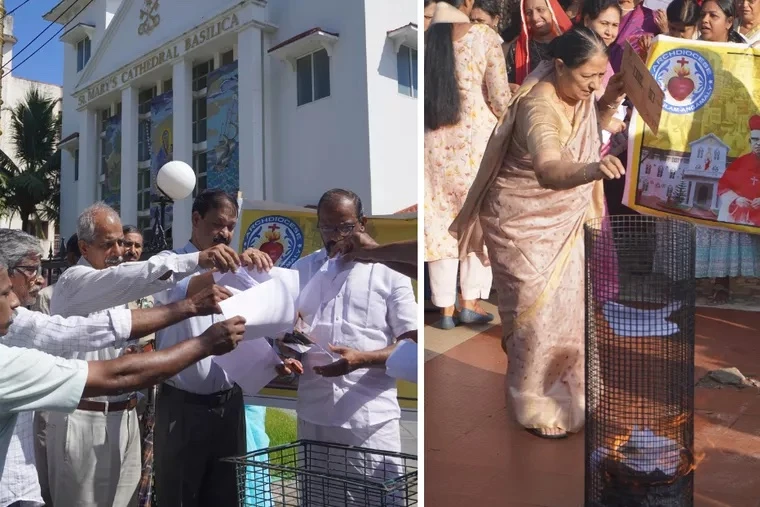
(466, 91)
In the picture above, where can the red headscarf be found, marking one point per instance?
(560, 24)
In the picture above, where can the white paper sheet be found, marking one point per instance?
(402, 363)
(268, 308)
(251, 365)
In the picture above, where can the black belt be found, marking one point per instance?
(100, 406)
(210, 400)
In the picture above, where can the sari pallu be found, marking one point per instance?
(534, 238)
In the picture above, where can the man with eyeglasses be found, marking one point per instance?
(57, 336)
(103, 458)
(359, 311)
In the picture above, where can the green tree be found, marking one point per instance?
(679, 196)
(30, 175)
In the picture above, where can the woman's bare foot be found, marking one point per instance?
(550, 433)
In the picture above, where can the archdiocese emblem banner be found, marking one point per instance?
(704, 164)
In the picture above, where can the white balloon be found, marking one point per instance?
(176, 179)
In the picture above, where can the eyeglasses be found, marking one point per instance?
(342, 229)
(29, 271)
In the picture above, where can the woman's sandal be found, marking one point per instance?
(537, 432)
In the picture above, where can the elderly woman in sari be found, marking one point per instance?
(542, 21)
(539, 181)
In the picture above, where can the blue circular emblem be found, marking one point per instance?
(278, 236)
(686, 78)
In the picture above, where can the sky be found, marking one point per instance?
(47, 64)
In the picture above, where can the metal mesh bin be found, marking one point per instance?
(319, 474)
(639, 448)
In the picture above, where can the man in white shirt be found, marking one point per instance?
(33, 380)
(359, 311)
(199, 412)
(94, 455)
(57, 336)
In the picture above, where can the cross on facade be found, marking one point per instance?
(682, 61)
(274, 227)
(754, 180)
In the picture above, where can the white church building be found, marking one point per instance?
(280, 99)
(696, 173)
(14, 90)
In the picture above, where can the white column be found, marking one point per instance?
(251, 113)
(269, 108)
(89, 166)
(182, 126)
(129, 156)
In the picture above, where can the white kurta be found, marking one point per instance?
(362, 306)
(365, 307)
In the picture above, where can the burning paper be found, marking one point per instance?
(299, 339)
(644, 452)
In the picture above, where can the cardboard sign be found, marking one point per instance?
(642, 89)
(657, 5)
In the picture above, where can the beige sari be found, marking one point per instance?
(534, 236)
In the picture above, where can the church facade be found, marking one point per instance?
(280, 100)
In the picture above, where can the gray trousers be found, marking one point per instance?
(192, 434)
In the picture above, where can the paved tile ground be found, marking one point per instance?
(476, 455)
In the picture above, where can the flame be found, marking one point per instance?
(668, 429)
(683, 71)
(272, 236)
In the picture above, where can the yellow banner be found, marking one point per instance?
(704, 164)
(289, 234)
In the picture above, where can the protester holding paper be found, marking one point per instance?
(199, 412)
(358, 312)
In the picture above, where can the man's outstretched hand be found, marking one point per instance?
(290, 366)
(359, 247)
(223, 337)
(253, 258)
(220, 257)
(206, 301)
(349, 361)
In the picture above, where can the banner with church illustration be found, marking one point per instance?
(222, 129)
(110, 188)
(704, 164)
(161, 148)
(289, 233)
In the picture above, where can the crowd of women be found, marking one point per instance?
(516, 94)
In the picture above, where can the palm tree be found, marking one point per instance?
(30, 177)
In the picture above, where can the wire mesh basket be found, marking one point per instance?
(640, 334)
(308, 473)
